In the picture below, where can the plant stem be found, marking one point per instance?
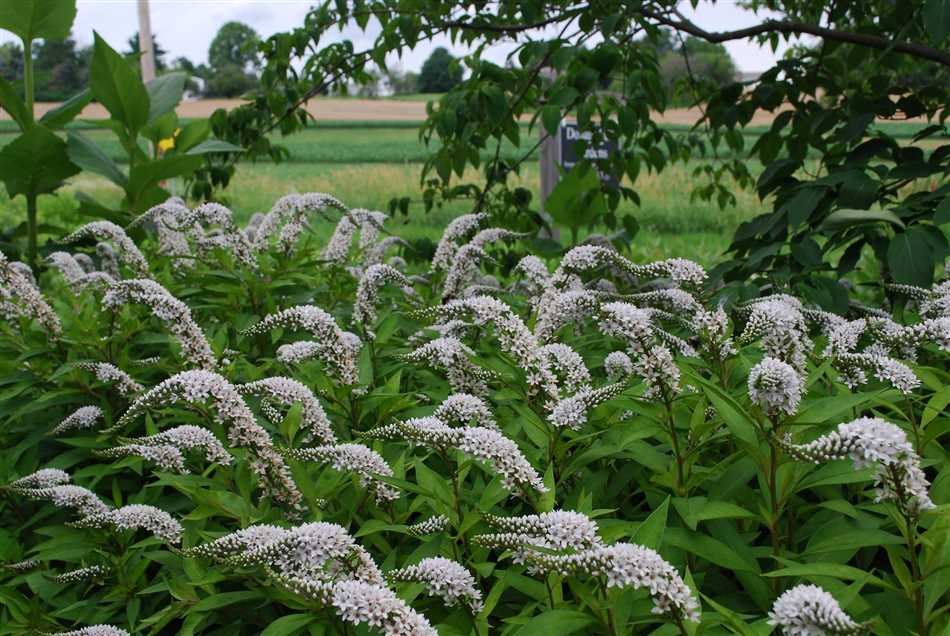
(28, 77)
(677, 454)
(31, 249)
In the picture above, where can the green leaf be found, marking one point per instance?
(35, 163)
(836, 540)
(13, 105)
(290, 624)
(36, 19)
(558, 621)
(88, 156)
(223, 599)
(801, 206)
(650, 532)
(708, 548)
(67, 111)
(840, 219)
(936, 15)
(192, 134)
(149, 174)
(576, 200)
(910, 258)
(117, 87)
(164, 93)
(942, 211)
(214, 145)
(833, 570)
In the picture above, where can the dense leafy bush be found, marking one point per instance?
(196, 442)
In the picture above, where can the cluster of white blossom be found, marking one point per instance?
(82, 418)
(368, 222)
(81, 574)
(573, 375)
(779, 325)
(464, 270)
(232, 413)
(571, 412)
(286, 392)
(853, 367)
(339, 350)
(186, 438)
(367, 292)
(19, 567)
(287, 219)
(449, 354)
(82, 500)
(457, 229)
(434, 524)
(195, 224)
(557, 309)
(175, 314)
(444, 578)
(808, 610)
(42, 478)
(775, 387)
(108, 231)
(487, 445)
(714, 332)
(618, 366)
(108, 260)
(629, 565)
(171, 242)
(111, 374)
(556, 531)
(652, 360)
(95, 630)
(135, 516)
(356, 458)
(20, 297)
(868, 442)
(71, 270)
(680, 271)
(467, 410)
(513, 335)
(536, 277)
(376, 253)
(165, 456)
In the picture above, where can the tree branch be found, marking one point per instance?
(794, 27)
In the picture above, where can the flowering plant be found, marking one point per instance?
(279, 428)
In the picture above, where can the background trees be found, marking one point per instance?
(440, 73)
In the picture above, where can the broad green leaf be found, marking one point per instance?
(117, 87)
(84, 152)
(35, 163)
(557, 621)
(708, 548)
(833, 570)
(910, 258)
(650, 532)
(67, 111)
(13, 105)
(38, 19)
(739, 422)
(151, 173)
(697, 509)
(577, 200)
(290, 624)
(942, 211)
(840, 219)
(223, 599)
(851, 539)
(164, 93)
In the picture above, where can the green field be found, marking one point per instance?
(365, 164)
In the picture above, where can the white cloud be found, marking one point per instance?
(186, 27)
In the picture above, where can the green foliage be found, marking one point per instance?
(702, 473)
(233, 45)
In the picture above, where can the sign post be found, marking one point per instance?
(561, 150)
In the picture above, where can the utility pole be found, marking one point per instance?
(145, 42)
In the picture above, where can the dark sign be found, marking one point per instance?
(568, 147)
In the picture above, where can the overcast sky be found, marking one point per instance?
(186, 27)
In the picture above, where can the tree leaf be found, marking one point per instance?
(214, 145)
(35, 163)
(148, 174)
(576, 200)
(164, 93)
(557, 621)
(910, 258)
(942, 211)
(35, 19)
(88, 156)
(11, 102)
(117, 87)
(845, 217)
(290, 624)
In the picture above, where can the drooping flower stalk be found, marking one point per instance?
(449, 354)
(807, 610)
(557, 309)
(466, 409)
(356, 458)
(188, 438)
(433, 524)
(111, 374)
(287, 392)
(82, 500)
(108, 231)
(233, 414)
(43, 478)
(81, 574)
(334, 346)
(95, 630)
(444, 578)
(367, 293)
(455, 231)
(20, 297)
(287, 219)
(573, 375)
(571, 412)
(175, 314)
(82, 418)
(135, 516)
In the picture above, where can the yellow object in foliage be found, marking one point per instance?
(168, 143)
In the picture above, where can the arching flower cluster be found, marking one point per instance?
(366, 463)
(167, 448)
(450, 355)
(456, 231)
(108, 231)
(875, 442)
(287, 219)
(571, 412)
(778, 324)
(20, 297)
(230, 411)
(806, 610)
(331, 342)
(775, 387)
(568, 365)
(556, 531)
(501, 454)
(82, 418)
(111, 374)
(75, 274)
(652, 360)
(466, 409)
(136, 516)
(286, 392)
(368, 223)
(367, 292)
(444, 578)
(211, 226)
(172, 312)
(583, 258)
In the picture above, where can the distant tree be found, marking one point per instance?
(229, 80)
(157, 51)
(11, 61)
(234, 45)
(439, 74)
(58, 69)
(402, 82)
